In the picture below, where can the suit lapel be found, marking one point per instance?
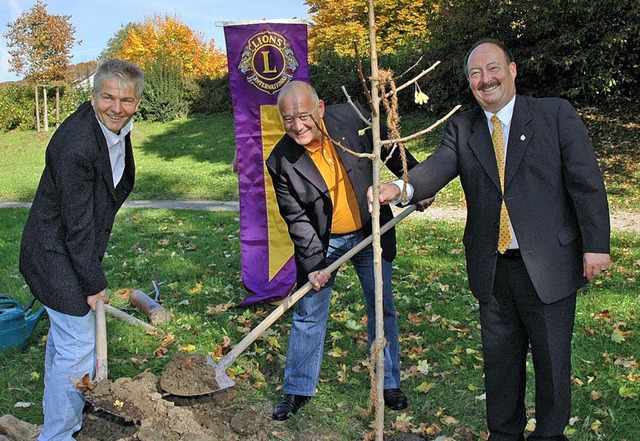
(519, 136)
(304, 166)
(107, 174)
(480, 143)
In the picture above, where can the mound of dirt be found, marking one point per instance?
(189, 375)
(138, 409)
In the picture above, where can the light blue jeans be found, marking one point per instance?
(70, 352)
(307, 335)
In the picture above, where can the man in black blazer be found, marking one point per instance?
(556, 234)
(322, 195)
(89, 172)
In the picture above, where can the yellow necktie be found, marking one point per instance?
(504, 236)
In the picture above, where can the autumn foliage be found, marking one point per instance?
(338, 24)
(168, 38)
(40, 44)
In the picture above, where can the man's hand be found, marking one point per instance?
(92, 300)
(318, 279)
(425, 203)
(594, 264)
(234, 162)
(388, 193)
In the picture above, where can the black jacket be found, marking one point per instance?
(303, 197)
(70, 221)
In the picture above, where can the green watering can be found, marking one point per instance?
(16, 323)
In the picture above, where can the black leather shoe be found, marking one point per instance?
(394, 399)
(289, 405)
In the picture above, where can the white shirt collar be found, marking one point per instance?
(113, 138)
(505, 114)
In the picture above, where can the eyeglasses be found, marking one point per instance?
(303, 117)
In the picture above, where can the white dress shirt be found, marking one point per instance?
(115, 142)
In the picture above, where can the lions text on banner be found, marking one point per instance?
(262, 58)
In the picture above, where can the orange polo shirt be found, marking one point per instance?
(346, 211)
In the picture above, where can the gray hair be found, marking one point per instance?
(295, 87)
(124, 72)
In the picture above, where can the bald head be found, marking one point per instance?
(298, 89)
(300, 108)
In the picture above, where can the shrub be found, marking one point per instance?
(18, 108)
(213, 96)
(167, 92)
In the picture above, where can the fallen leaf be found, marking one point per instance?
(86, 383)
(627, 392)
(187, 348)
(139, 360)
(531, 425)
(22, 404)
(425, 387)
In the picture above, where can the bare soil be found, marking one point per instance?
(139, 409)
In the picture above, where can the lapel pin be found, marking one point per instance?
(522, 137)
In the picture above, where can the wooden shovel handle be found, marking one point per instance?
(127, 318)
(293, 298)
(101, 342)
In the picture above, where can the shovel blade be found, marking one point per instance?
(223, 380)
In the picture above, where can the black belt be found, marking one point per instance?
(512, 253)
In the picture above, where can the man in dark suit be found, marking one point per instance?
(537, 230)
(89, 172)
(321, 193)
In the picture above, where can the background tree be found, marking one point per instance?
(583, 50)
(39, 45)
(337, 24)
(169, 38)
(116, 43)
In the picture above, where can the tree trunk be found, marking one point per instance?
(375, 219)
(35, 92)
(45, 113)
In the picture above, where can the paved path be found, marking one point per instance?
(620, 220)
(187, 205)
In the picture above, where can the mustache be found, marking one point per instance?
(489, 85)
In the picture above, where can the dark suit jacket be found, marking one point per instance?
(555, 193)
(70, 221)
(303, 197)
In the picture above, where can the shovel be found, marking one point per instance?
(221, 378)
(98, 392)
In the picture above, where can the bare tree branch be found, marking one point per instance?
(410, 82)
(336, 143)
(350, 101)
(422, 132)
(363, 80)
(411, 68)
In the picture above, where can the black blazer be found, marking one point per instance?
(554, 193)
(303, 197)
(70, 221)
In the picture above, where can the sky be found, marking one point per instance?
(97, 22)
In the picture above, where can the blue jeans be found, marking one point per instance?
(70, 353)
(307, 335)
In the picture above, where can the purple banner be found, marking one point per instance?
(262, 57)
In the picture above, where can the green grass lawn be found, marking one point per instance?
(186, 159)
(196, 256)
